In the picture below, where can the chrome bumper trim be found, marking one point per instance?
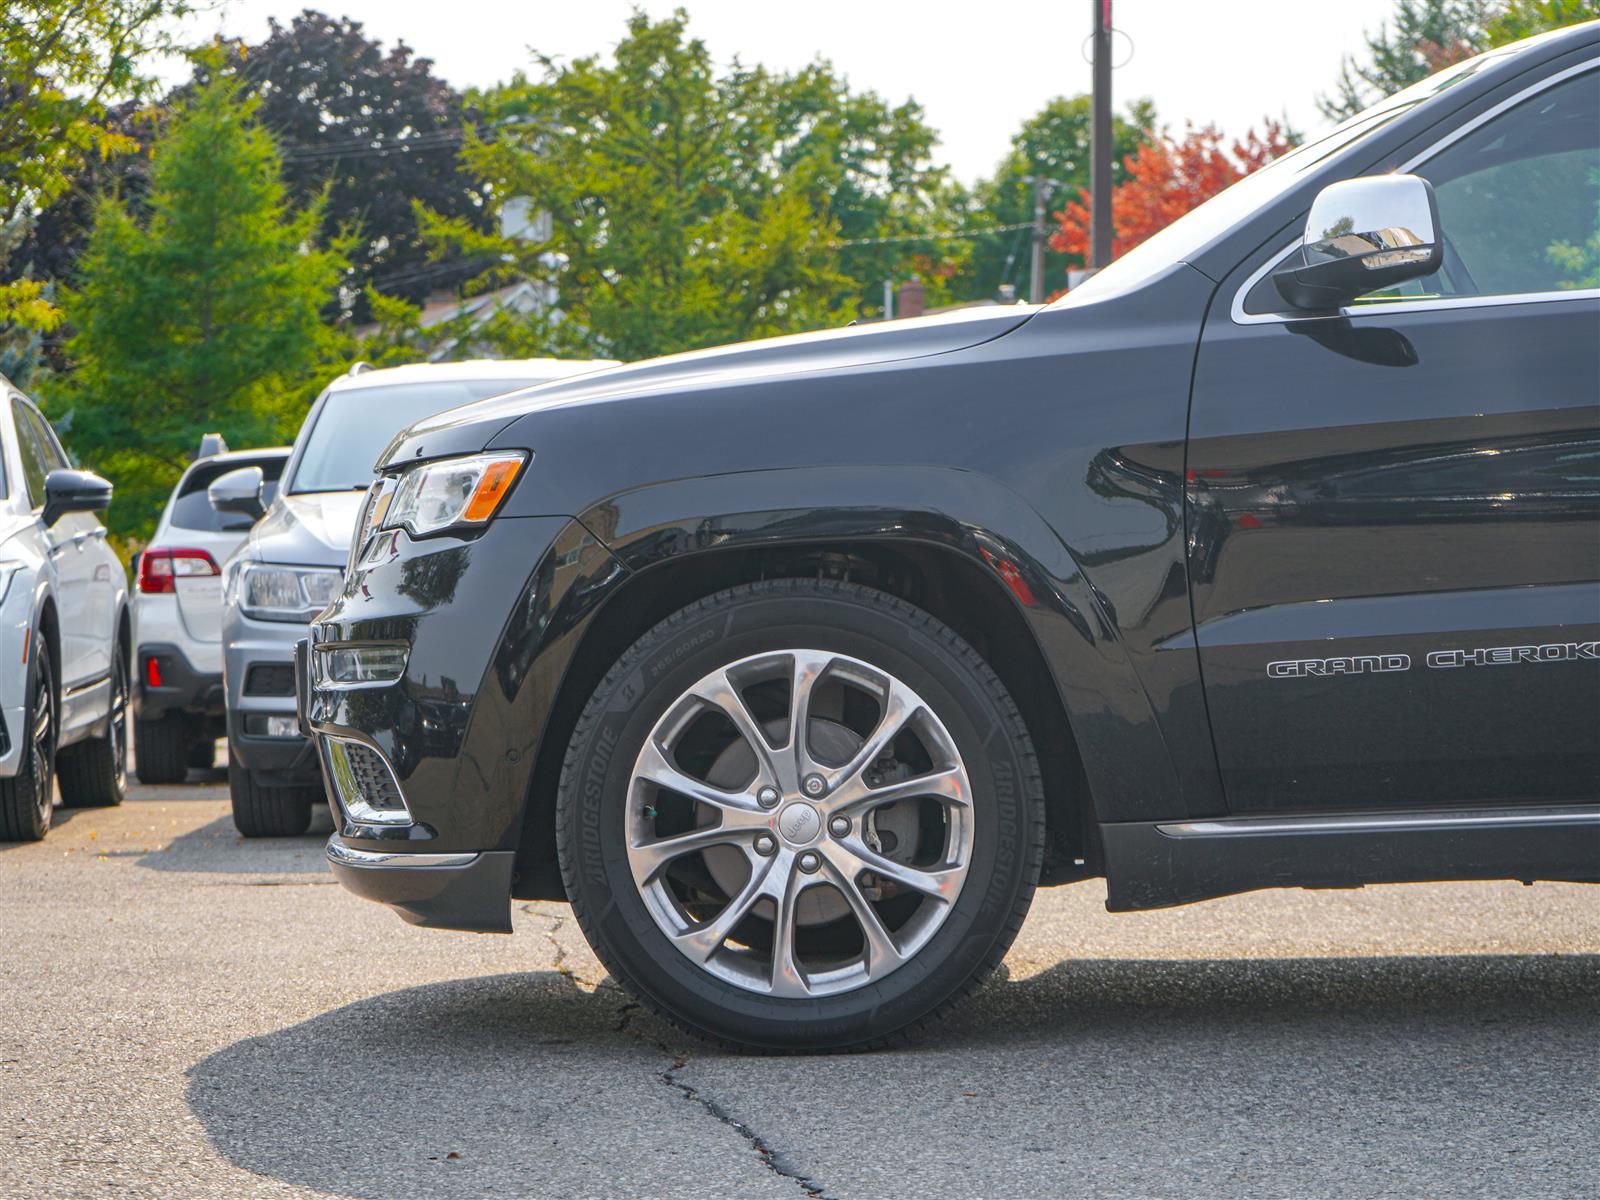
(349, 856)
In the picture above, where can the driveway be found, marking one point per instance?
(183, 1013)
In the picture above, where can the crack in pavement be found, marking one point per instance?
(551, 932)
(771, 1157)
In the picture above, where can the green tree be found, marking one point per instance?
(1052, 144)
(1424, 36)
(673, 222)
(61, 63)
(202, 315)
(1428, 35)
(1524, 18)
(861, 162)
(375, 130)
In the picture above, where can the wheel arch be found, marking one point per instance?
(48, 623)
(1017, 597)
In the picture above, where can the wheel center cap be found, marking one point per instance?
(799, 823)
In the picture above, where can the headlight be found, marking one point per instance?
(357, 666)
(272, 593)
(453, 491)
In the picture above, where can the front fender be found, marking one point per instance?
(1129, 767)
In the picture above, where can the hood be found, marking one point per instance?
(309, 528)
(473, 426)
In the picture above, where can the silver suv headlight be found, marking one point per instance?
(268, 592)
(434, 496)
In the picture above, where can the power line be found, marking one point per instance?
(438, 139)
(945, 235)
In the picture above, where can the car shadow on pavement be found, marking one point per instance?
(1126, 1066)
(218, 848)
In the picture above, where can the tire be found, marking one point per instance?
(27, 797)
(94, 774)
(924, 893)
(161, 748)
(260, 811)
(202, 754)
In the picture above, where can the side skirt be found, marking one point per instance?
(1158, 864)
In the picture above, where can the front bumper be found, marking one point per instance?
(489, 625)
(284, 760)
(438, 891)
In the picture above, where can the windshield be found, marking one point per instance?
(1196, 229)
(355, 425)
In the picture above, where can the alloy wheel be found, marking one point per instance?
(800, 823)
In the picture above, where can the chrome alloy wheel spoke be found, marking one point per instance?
(743, 906)
(649, 858)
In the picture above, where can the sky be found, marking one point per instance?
(979, 69)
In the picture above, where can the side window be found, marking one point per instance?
(55, 456)
(1519, 197)
(34, 467)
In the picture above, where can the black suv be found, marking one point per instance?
(1270, 556)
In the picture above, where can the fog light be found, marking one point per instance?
(357, 666)
(364, 783)
(257, 725)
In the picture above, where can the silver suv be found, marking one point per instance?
(290, 566)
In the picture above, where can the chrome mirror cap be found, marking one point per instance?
(1362, 235)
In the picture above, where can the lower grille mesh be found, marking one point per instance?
(269, 679)
(365, 785)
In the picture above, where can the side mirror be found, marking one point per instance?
(238, 492)
(73, 491)
(1362, 235)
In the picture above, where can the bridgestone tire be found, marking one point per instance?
(267, 811)
(889, 635)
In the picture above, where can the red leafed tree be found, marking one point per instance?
(1165, 178)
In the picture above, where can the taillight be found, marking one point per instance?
(161, 568)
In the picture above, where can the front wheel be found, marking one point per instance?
(260, 811)
(26, 799)
(162, 748)
(800, 815)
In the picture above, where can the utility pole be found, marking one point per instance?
(1100, 140)
(1036, 272)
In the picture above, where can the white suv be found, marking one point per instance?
(177, 617)
(63, 630)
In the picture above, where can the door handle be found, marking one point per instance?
(78, 539)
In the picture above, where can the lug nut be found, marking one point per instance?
(815, 785)
(767, 797)
(839, 826)
(766, 844)
(809, 862)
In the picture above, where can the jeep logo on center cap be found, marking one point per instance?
(799, 822)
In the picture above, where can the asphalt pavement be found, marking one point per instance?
(187, 1014)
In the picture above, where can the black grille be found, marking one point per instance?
(373, 779)
(269, 679)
